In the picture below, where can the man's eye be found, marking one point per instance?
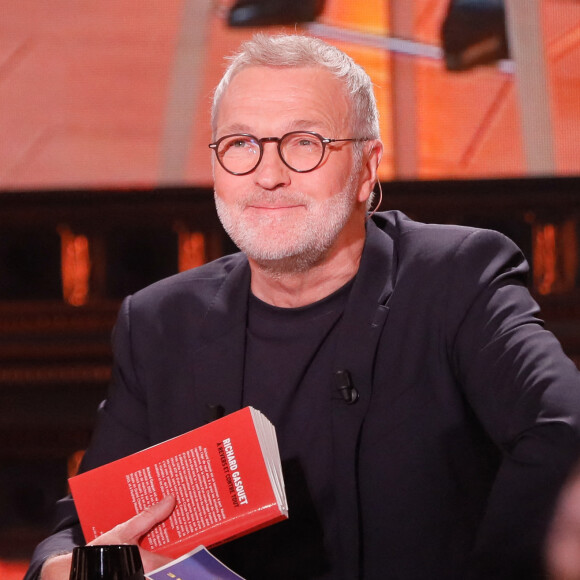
(238, 143)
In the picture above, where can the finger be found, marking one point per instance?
(140, 524)
(130, 531)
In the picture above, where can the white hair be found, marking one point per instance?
(292, 50)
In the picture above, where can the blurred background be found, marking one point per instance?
(105, 175)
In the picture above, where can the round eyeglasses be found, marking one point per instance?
(301, 151)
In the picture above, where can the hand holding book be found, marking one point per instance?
(225, 476)
(129, 532)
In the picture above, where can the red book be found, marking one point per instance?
(226, 477)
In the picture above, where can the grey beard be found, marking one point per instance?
(293, 264)
(314, 237)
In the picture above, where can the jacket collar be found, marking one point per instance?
(219, 363)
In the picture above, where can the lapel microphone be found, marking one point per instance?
(345, 387)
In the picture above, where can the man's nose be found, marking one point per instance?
(271, 173)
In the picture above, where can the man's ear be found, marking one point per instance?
(372, 154)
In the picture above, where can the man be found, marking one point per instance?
(563, 543)
(426, 421)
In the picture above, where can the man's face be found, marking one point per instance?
(283, 220)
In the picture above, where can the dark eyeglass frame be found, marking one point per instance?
(278, 140)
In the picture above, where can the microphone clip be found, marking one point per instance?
(345, 387)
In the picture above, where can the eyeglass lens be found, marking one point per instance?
(241, 153)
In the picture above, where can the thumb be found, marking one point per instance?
(130, 531)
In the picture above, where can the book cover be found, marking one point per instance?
(198, 564)
(226, 477)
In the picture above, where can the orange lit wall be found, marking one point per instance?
(85, 92)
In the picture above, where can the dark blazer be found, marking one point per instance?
(468, 413)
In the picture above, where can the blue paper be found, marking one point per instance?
(198, 564)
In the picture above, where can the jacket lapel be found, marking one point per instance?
(219, 367)
(219, 364)
(360, 330)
